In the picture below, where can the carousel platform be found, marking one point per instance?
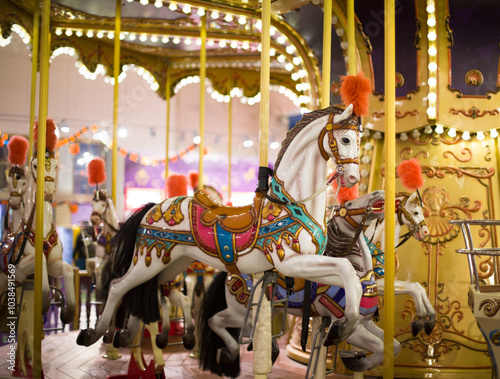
(64, 359)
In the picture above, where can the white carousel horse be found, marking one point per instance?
(408, 212)
(53, 263)
(220, 348)
(160, 241)
(103, 213)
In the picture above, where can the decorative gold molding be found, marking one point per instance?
(474, 112)
(399, 114)
(491, 307)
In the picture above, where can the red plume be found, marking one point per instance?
(177, 185)
(345, 194)
(356, 90)
(193, 178)
(96, 171)
(410, 173)
(51, 135)
(18, 148)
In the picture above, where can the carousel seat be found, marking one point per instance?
(484, 299)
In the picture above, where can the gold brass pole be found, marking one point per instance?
(203, 75)
(116, 73)
(262, 337)
(327, 52)
(167, 140)
(40, 187)
(390, 178)
(34, 69)
(351, 38)
(230, 144)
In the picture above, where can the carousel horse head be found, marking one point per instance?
(96, 171)
(409, 207)
(100, 204)
(410, 213)
(51, 163)
(16, 179)
(360, 211)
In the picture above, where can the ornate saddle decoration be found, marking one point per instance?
(107, 241)
(161, 239)
(48, 242)
(10, 249)
(296, 299)
(378, 259)
(286, 221)
(334, 297)
(222, 231)
(238, 285)
(171, 285)
(172, 215)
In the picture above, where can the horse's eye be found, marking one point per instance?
(415, 213)
(34, 166)
(348, 204)
(18, 176)
(345, 140)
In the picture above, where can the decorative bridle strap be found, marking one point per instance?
(338, 172)
(26, 233)
(332, 142)
(401, 211)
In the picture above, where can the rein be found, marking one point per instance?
(414, 226)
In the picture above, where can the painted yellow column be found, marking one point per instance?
(40, 187)
(351, 38)
(34, 68)
(327, 53)
(390, 178)
(229, 144)
(116, 73)
(203, 75)
(167, 140)
(262, 338)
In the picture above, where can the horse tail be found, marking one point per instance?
(141, 301)
(214, 301)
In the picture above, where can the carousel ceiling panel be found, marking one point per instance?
(370, 14)
(474, 46)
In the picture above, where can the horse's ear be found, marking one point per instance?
(344, 115)
(414, 199)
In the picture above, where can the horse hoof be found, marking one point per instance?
(275, 350)
(67, 315)
(224, 356)
(121, 338)
(416, 326)
(108, 338)
(336, 333)
(161, 340)
(353, 360)
(429, 326)
(188, 341)
(85, 337)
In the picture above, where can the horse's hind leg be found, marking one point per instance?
(219, 324)
(365, 339)
(124, 337)
(180, 300)
(162, 337)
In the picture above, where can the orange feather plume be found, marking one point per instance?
(18, 148)
(177, 185)
(355, 90)
(51, 135)
(410, 173)
(345, 194)
(193, 178)
(96, 171)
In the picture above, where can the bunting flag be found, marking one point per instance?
(144, 160)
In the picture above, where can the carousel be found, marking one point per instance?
(205, 189)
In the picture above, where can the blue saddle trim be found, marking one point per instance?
(225, 244)
(298, 212)
(378, 257)
(169, 238)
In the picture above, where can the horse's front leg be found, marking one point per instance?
(331, 271)
(179, 299)
(219, 323)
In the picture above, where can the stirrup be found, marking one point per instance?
(269, 278)
(317, 343)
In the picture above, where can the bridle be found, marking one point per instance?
(100, 196)
(328, 130)
(401, 212)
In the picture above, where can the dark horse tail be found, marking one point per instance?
(141, 301)
(214, 301)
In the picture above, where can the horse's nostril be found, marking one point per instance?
(353, 179)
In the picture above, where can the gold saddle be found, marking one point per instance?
(232, 219)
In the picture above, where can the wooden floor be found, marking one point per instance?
(63, 359)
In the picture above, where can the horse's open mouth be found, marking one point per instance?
(378, 206)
